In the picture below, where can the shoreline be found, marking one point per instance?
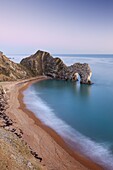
(79, 162)
(54, 135)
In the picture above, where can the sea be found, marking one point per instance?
(81, 114)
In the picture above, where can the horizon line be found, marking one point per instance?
(62, 54)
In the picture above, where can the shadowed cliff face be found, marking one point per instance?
(42, 63)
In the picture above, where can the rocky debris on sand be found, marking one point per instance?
(4, 119)
(7, 124)
(35, 155)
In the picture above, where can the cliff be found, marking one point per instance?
(10, 70)
(42, 63)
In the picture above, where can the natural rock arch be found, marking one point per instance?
(55, 68)
(82, 70)
(42, 63)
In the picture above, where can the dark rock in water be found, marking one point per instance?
(42, 63)
(84, 72)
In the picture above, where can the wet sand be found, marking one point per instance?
(55, 153)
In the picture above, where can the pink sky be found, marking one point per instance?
(55, 26)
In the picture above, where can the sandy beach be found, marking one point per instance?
(55, 154)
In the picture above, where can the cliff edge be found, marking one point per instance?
(10, 71)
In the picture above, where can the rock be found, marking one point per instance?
(1, 53)
(3, 106)
(35, 155)
(11, 71)
(29, 165)
(84, 72)
(42, 63)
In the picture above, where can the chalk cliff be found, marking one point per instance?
(42, 63)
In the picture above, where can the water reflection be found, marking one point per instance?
(74, 88)
(84, 90)
(81, 89)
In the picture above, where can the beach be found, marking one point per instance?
(47, 143)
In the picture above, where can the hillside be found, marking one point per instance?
(11, 71)
(15, 154)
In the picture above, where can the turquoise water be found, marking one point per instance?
(81, 114)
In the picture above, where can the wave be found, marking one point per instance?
(99, 153)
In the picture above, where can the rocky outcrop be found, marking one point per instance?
(3, 103)
(83, 70)
(42, 63)
(1, 53)
(10, 70)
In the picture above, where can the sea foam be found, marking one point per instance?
(99, 153)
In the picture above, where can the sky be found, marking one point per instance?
(56, 26)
